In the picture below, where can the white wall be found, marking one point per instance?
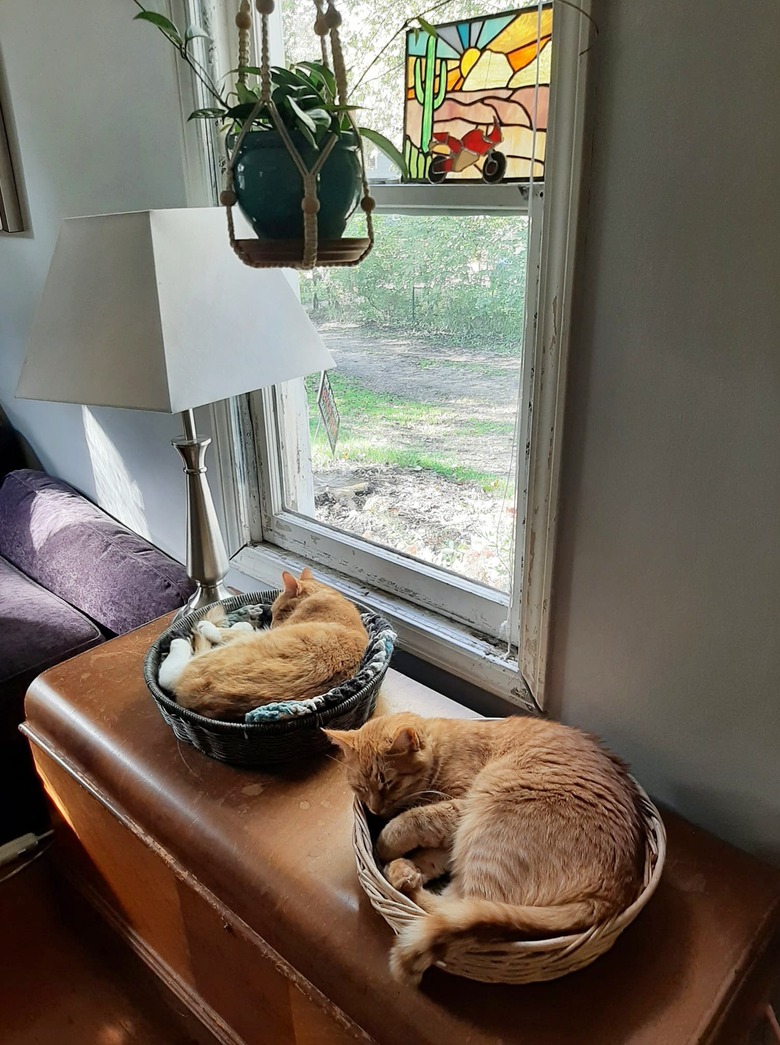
(92, 104)
(667, 639)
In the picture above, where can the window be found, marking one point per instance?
(439, 503)
(427, 335)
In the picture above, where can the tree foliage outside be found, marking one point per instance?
(460, 278)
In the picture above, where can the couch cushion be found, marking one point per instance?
(57, 537)
(39, 629)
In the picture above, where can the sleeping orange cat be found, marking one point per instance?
(536, 823)
(317, 640)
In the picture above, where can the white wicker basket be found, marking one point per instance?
(519, 961)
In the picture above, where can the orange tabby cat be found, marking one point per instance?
(316, 641)
(536, 823)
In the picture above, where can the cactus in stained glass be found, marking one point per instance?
(430, 87)
(477, 94)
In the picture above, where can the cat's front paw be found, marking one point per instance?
(391, 842)
(404, 876)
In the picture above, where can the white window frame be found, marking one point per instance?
(264, 537)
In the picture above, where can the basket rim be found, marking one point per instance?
(655, 850)
(247, 729)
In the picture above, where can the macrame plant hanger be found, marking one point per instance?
(260, 253)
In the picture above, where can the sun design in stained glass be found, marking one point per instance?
(477, 94)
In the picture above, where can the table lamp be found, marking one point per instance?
(152, 311)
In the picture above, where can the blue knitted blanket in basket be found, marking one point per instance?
(374, 663)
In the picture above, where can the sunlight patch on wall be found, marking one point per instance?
(115, 490)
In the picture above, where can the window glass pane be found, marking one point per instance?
(427, 335)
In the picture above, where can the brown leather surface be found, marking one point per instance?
(277, 850)
(214, 965)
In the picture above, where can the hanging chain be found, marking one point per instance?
(321, 30)
(368, 203)
(265, 7)
(244, 23)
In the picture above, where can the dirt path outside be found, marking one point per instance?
(466, 404)
(472, 393)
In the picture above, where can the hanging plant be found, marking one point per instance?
(286, 127)
(305, 94)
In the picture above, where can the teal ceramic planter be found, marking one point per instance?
(269, 189)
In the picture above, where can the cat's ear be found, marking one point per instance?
(406, 742)
(344, 738)
(290, 584)
(306, 574)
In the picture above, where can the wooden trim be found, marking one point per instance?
(449, 198)
(562, 189)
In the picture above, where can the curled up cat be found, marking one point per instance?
(537, 825)
(316, 640)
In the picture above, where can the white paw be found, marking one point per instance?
(242, 625)
(211, 632)
(173, 665)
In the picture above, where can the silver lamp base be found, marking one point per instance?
(207, 561)
(203, 595)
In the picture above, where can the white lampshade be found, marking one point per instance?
(153, 311)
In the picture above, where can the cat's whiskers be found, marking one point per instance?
(426, 791)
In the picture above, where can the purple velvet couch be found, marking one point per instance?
(70, 577)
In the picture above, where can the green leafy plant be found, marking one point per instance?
(305, 95)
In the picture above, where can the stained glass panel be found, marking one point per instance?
(477, 95)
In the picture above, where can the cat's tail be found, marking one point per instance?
(426, 940)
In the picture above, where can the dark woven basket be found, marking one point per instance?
(268, 743)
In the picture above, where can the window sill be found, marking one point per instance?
(475, 197)
(427, 636)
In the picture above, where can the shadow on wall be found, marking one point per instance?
(15, 451)
(115, 489)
